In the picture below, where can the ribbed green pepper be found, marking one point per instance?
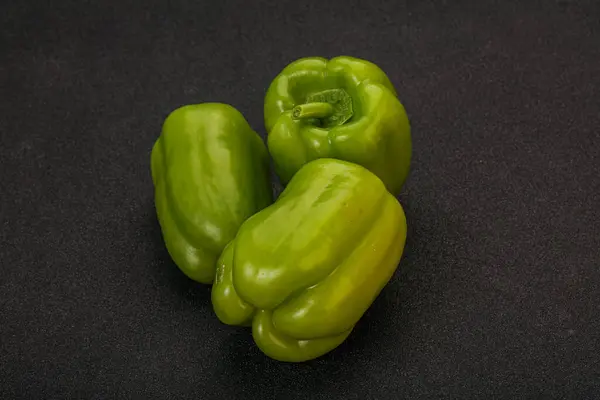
(344, 108)
(304, 270)
(211, 172)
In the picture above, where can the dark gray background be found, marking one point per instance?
(498, 292)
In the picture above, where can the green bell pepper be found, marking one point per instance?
(345, 108)
(304, 270)
(210, 172)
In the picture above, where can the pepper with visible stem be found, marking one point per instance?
(344, 108)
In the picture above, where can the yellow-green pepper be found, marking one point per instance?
(304, 270)
(211, 172)
(344, 108)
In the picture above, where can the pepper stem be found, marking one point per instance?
(312, 110)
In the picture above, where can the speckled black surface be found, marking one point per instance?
(498, 295)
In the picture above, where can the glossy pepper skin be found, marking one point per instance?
(210, 172)
(373, 130)
(303, 271)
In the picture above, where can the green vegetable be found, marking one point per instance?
(304, 270)
(211, 172)
(345, 108)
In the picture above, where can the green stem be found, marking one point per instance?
(312, 110)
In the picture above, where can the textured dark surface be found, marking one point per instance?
(498, 295)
